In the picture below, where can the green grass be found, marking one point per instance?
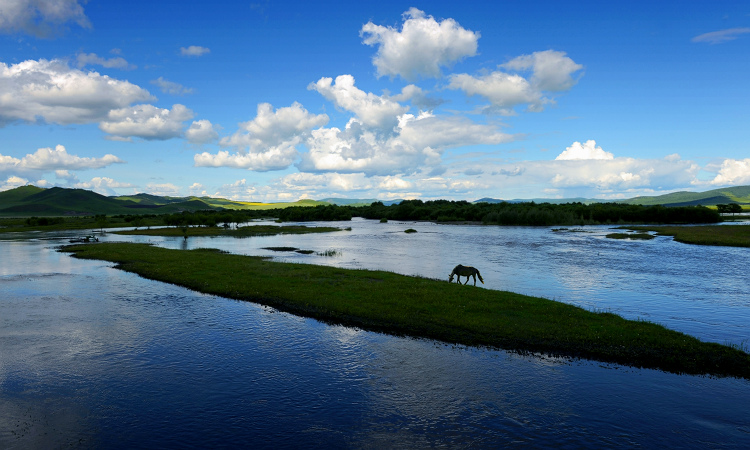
(247, 231)
(631, 236)
(420, 307)
(726, 235)
(10, 225)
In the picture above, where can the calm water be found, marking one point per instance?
(94, 357)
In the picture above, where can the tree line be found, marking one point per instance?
(528, 213)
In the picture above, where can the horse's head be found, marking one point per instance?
(450, 278)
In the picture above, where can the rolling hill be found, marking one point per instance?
(30, 200)
(66, 202)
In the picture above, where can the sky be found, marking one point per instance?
(270, 101)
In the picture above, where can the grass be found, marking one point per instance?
(248, 231)
(10, 225)
(631, 236)
(420, 307)
(726, 235)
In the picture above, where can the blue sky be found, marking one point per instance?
(282, 100)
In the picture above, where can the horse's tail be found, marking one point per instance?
(480, 277)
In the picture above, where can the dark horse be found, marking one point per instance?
(465, 271)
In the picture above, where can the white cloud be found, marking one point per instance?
(201, 132)
(587, 150)
(103, 185)
(415, 143)
(447, 132)
(170, 87)
(87, 59)
(503, 90)
(146, 122)
(167, 189)
(551, 72)
(370, 109)
(194, 50)
(53, 92)
(268, 142)
(721, 36)
(421, 48)
(270, 128)
(48, 159)
(13, 182)
(733, 172)
(40, 18)
(274, 158)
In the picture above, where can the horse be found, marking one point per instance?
(465, 271)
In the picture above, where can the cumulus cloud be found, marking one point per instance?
(733, 172)
(274, 158)
(421, 48)
(53, 92)
(170, 87)
(416, 142)
(194, 50)
(721, 36)
(370, 109)
(551, 72)
(118, 62)
(587, 150)
(166, 189)
(268, 142)
(40, 18)
(103, 185)
(48, 159)
(13, 182)
(146, 122)
(201, 132)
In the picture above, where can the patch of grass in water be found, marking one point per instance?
(281, 249)
(410, 230)
(426, 308)
(722, 235)
(631, 236)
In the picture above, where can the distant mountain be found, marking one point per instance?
(543, 200)
(62, 202)
(35, 201)
(349, 201)
(736, 194)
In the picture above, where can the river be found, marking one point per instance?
(94, 357)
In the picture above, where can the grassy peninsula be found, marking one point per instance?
(246, 231)
(725, 235)
(420, 307)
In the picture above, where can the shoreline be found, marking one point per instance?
(425, 308)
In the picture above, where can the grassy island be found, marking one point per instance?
(420, 307)
(247, 231)
(725, 235)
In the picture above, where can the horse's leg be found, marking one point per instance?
(467, 279)
(475, 279)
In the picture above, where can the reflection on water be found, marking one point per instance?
(94, 357)
(700, 290)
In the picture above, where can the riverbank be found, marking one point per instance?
(723, 235)
(246, 231)
(426, 308)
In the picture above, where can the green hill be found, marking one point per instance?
(736, 194)
(27, 201)
(65, 202)
(17, 195)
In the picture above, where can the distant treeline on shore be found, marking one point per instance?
(534, 214)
